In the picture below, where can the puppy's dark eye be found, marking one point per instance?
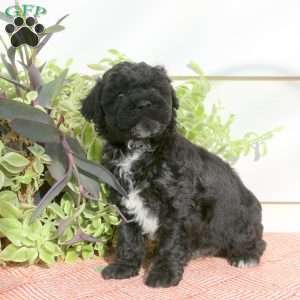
(144, 104)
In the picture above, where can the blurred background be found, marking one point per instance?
(248, 50)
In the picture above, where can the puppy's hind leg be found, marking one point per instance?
(129, 252)
(243, 254)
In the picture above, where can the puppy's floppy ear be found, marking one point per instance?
(91, 108)
(174, 99)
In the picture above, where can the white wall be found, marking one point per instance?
(225, 37)
(232, 37)
(260, 106)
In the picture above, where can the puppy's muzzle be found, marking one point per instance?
(146, 129)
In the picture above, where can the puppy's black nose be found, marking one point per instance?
(143, 104)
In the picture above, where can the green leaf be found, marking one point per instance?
(2, 179)
(94, 151)
(113, 220)
(12, 229)
(51, 89)
(36, 150)
(38, 166)
(114, 52)
(10, 109)
(46, 256)
(87, 251)
(54, 28)
(16, 254)
(66, 236)
(100, 172)
(96, 67)
(32, 255)
(8, 210)
(37, 132)
(15, 160)
(1, 147)
(87, 135)
(34, 230)
(71, 256)
(9, 196)
(54, 207)
(46, 159)
(10, 168)
(52, 248)
(51, 194)
(48, 231)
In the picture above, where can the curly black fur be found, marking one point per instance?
(188, 199)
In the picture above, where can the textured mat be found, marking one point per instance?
(278, 277)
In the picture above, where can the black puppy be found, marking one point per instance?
(178, 193)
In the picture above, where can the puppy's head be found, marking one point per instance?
(132, 101)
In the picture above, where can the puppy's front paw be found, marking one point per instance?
(163, 276)
(119, 271)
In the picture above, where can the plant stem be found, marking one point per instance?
(3, 43)
(71, 159)
(16, 83)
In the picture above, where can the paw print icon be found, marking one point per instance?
(24, 31)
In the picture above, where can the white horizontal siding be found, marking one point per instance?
(281, 217)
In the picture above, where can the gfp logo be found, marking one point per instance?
(25, 10)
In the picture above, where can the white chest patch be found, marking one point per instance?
(135, 203)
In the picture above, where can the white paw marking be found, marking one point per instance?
(246, 263)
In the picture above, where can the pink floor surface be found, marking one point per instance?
(277, 277)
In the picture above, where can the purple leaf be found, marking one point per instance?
(54, 28)
(51, 89)
(75, 146)
(5, 17)
(11, 53)
(59, 164)
(10, 70)
(88, 181)
(51, 194)
(90, 185)
(64, 224)
(36, 131)
(100, 172)
(35, 77)
(10, 109)
(81, 236)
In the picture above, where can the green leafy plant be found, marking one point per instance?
(208, 128)
(35, 134)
